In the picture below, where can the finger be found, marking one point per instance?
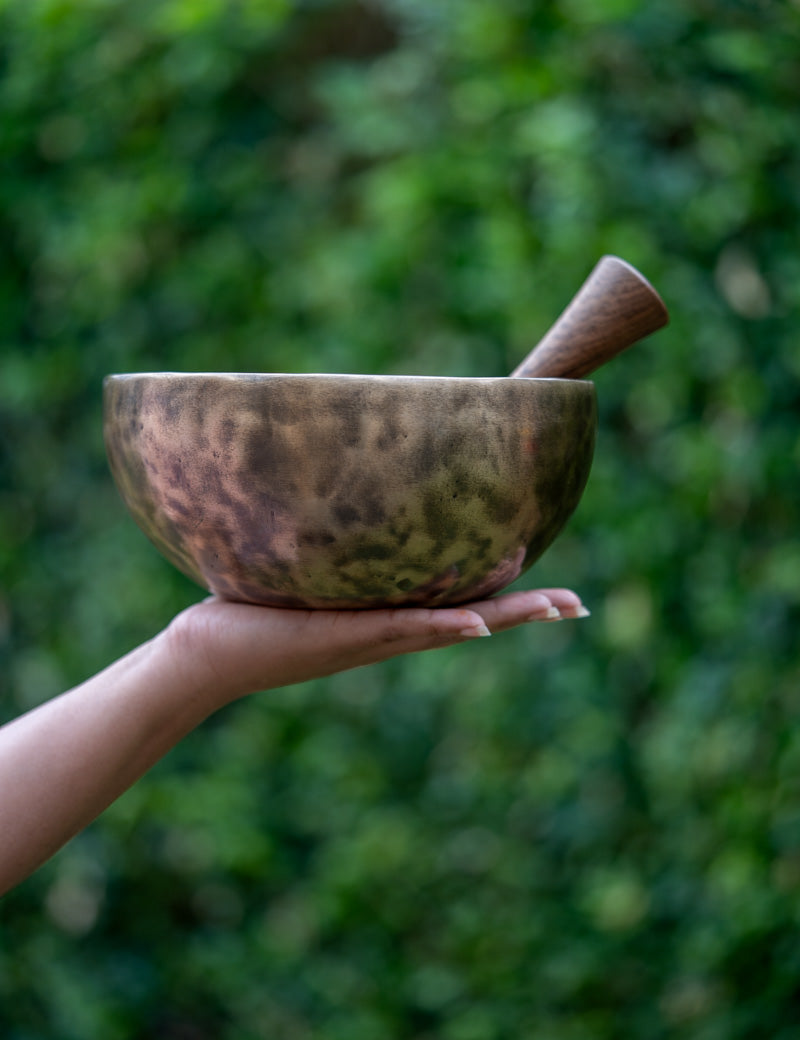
(266, 647)
(516, 608)
(566, 602)
(397, 630)
(391, 644)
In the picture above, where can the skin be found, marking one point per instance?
(64, 762)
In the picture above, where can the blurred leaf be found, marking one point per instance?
(580, 831)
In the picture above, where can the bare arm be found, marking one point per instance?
(64, 762)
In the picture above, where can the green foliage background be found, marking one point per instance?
(578, 832)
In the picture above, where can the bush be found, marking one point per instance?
(581, 831)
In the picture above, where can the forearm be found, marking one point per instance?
(63, 763)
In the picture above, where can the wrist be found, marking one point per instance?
(186, 647)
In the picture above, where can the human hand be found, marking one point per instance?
(230, 649)
(64, 762)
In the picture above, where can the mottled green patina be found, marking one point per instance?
(349, 491)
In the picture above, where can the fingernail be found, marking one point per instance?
(474, 632)
(551, 614)
(582, 611)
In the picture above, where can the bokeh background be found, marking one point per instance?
(581, 831)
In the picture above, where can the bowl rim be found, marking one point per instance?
(256, 377)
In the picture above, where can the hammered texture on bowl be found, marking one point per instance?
(349, 491)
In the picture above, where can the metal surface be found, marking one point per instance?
(349, 491)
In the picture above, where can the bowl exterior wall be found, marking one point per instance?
(349, 491)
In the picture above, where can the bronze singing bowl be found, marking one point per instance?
(363, 491)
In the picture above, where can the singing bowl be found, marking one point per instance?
(363, 491)
(349, 491)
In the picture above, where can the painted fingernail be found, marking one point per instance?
(474, 632)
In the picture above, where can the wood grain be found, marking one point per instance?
(614, 308)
